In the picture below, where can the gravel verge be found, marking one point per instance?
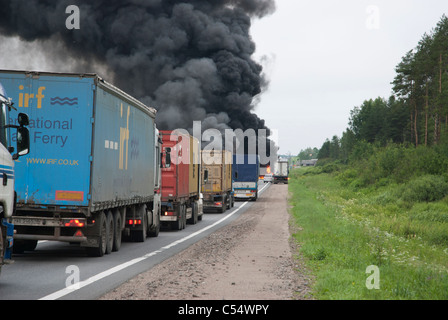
(253, 258)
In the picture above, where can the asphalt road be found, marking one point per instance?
(57, 270)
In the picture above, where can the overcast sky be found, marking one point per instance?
(324, 57)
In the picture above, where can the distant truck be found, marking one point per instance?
(7, 173)
(93, 173)
(281, 174)
(265, 173)
(246, 172)
(181, 182)
(217, 187)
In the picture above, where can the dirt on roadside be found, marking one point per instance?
(249, 259)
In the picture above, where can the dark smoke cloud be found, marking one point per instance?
(191, 60)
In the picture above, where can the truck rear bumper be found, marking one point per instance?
(212, 206)
(169, 212)
(245, 194)
(168, 218)
(280, 180)
(49, 238)
(56, 229)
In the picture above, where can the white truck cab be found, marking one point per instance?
(7, 158)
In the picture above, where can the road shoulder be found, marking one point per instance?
(249, 259)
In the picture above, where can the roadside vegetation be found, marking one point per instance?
(379, 194)
(345, 228)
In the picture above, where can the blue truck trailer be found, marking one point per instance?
(246, 172)
(93, 172)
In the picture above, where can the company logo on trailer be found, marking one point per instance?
(124, 141)
(64, 101)
(26, 99)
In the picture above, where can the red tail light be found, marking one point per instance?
(134, 222)
(75, 223)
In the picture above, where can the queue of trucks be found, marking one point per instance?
(99, 170)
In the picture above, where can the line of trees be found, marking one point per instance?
(416, 113)
(308, 154)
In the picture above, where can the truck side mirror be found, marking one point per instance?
(168, 158)
(161, 160)
(236, 175)
(205, 175)
(23, 119)
(23, 142)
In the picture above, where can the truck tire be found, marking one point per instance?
(140, 235)
(194, 215)
(195, 212)
(117, 234)
(154, 230)
(102, 238)
(184, 216)
(224, 204)
(177, 225)
(110, 232)
(256, 197)
(181, 222)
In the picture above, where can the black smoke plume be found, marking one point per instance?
(191, 60)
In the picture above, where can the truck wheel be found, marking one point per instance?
(194, 215)
(102, 238)
(140, 235)
(177, 225)
(195, 212)
(184, 216)
(224, 204)
(117, 231)
(155, 229)
(110, 232)
(256, 197)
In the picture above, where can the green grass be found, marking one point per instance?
(345, 229)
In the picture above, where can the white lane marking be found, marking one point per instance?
(104, 274)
